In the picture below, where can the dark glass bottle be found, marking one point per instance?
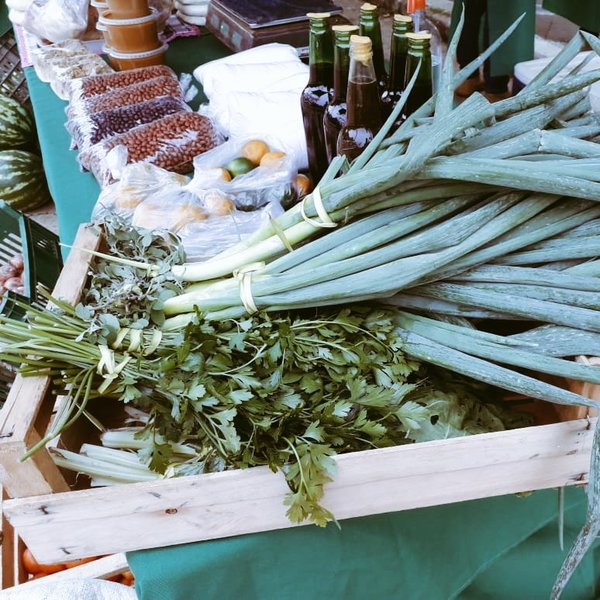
(417, 9)
(316, 94)
(418, 50)
(363, 99)
(369, 26)
(398, 54)
(335, 113)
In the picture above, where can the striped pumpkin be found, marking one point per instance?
(17, 129)
(22, 180)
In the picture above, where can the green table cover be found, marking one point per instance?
(503, 548)
(498, 548)
(73, 191)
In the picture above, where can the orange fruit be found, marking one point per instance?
(302, 185)
(254, 150)
(271, 157)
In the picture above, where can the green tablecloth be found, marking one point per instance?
(73, 191)
(499, 548)
(502, 548)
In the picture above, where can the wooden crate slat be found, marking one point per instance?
(27, 410)
(175, 511)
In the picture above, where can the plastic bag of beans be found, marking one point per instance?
(130, 94)
(95, 127)
(171, 143)
(87, 87)
(62, 76)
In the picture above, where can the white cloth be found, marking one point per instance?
(256, 93)
(526, 71)
(81, 589)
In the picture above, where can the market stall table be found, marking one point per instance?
(505, 547)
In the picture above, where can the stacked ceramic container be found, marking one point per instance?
(192, 11)
(130, 29)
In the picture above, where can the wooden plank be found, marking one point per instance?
(27, 410)
(129, 517)
(103, 568)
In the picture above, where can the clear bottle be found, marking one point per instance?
(417, 9)
(418, 50)
(369, 26)
(315, 95)
(335, 113)
(363, 99)
(398, 55)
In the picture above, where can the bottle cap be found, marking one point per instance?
(323, 15)
(361, 47)
(347, 28)
(414, 5)
(368, 7)
(403, 18)
(421, 35)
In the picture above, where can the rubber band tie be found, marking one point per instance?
(321, 212)
(244, 276)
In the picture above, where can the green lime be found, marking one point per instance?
(239, 166)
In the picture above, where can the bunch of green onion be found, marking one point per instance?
(478, 211)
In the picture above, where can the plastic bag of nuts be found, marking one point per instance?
(95, 127)
(87, 87)
(171, 143)
(64, 73)
(131, 94)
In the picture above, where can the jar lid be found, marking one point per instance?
(135, 55)
(107, 20)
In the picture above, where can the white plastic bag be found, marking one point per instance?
(138, 181)
(256, 93)
(57, 20)
(267, 183)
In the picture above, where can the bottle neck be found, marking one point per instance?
(369, 26)
(341, 68)
(423, 88)
(398, 54)
(320, 54)
(364, 107)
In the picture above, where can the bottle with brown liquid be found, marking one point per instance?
(369, 25)
(418, 50)
(398, 55)
(335, 113)
(315, 95)
(363, 100)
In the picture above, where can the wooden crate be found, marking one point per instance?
(57, 524)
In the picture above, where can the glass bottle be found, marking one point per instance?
(418, 50)
(335, 113)
(417, 9)
(315, 95)
(363, 99)
(369, 26)
(398, 55)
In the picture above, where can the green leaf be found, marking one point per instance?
(314, 432)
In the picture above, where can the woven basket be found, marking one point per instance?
(12, 79)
